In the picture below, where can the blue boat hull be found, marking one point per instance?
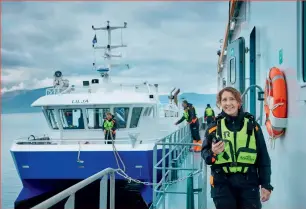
(44, 174)
(126, 196)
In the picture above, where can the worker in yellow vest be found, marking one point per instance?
(190, 116)
(235, 148)
(209, 115)
(109, 128)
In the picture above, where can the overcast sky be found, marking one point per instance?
(170, 43)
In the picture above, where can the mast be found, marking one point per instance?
(104, 72)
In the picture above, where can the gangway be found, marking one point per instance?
(179, 178)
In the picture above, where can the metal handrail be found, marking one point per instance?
(145, 88)
(68, 141)
(175, 136)
(261, 102)
(177, 144)
(70, 192)
(76, 141)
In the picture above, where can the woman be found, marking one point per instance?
(235, 148)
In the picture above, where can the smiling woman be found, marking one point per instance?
(235, 148)
(229, 99)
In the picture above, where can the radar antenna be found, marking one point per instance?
(105, 71)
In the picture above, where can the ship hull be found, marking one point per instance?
(45, 173)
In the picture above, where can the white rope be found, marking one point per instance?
(116, 154)
(122, 172)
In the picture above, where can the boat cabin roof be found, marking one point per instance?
(99, 98)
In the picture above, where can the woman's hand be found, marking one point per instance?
(217, 147)
(265, 195)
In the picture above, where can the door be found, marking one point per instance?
(236, 63)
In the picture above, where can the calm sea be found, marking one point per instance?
(13, 127)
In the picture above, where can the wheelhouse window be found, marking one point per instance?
(233, 70)
(95, 117)
(136, 112)
(145, 112)
(121, 116)
(72, 118)
(51, 118)
(304, 40)
(150, 112)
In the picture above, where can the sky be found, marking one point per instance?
(173, 44)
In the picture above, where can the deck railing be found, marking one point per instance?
(70, 192)
(141, 88)
(175, 149)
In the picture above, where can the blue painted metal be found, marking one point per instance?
(64, 165)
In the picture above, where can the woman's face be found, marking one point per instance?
(229, 104)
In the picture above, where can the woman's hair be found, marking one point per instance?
(234, 91)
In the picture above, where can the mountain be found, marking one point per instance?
(198, 100)
(20, 101)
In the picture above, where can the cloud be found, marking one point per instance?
(170, 43)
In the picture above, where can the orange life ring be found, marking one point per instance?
(275, 103)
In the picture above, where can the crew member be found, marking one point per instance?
(109, 127)
(209, 115)
(235, 148)
(191, 117)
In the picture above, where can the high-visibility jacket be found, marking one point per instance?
(240, 149)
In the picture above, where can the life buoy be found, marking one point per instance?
(275, 103)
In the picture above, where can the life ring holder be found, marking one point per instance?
(275, 103)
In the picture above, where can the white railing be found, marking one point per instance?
(177, 145)
(70, 192)
(51, 91)
(43, 140)
(144, 88)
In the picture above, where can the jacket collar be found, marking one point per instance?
(234, 119)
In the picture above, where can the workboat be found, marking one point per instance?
(75, 147)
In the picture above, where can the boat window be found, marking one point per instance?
(304, 40)
(72, 118)
(95, 117)
(136, 112)
(150, 112)
(51, 117)
(145, 112)
(232, 70)
(121, 116)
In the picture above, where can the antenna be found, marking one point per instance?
(104, 71)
